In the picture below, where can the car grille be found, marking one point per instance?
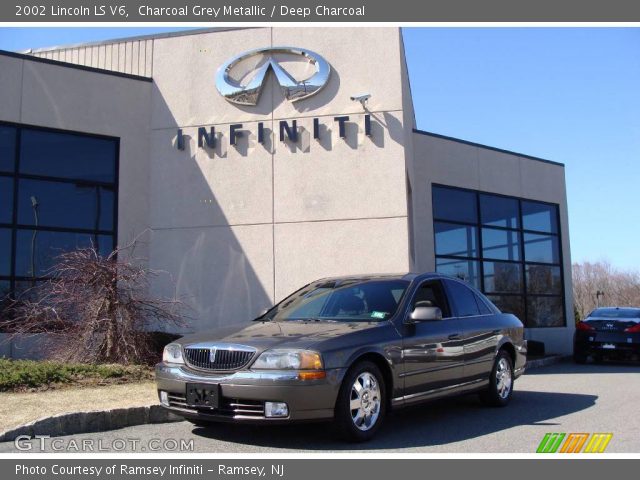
(229, 407)
(225, 358)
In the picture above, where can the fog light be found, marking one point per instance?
(276, 409)
(164, 398)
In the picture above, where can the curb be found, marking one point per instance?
(93, 421)
(546, 361)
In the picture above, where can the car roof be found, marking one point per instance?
(409, 276)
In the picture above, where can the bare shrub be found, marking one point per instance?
(95, 309)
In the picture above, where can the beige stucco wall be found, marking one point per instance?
(449, 162)
(288, 213)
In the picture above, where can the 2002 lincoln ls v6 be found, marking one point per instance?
(347, 349)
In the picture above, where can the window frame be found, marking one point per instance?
(16, 176)
(520, 231)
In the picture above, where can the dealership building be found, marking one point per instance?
(247, 162)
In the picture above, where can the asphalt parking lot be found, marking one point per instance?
(559, 398)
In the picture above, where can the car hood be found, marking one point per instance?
(288, 334)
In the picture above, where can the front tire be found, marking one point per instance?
(500, 389)
(361, 405)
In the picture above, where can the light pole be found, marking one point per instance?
(599, 294)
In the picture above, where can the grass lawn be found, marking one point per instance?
(25, 375)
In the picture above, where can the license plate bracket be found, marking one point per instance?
(203, 395)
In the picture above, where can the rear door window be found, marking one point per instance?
(463, 299)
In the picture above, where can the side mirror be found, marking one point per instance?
(425, 314)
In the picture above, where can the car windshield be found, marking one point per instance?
(341, 300)
(616, 313)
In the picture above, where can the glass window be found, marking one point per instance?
(544, 312)
(484, 309)
(463, 299)
(541, 248)
(499, 211)
(456, 240)
(367, 300)
(513, 304)
(456, 205)
(4, 289)
(7, 149)
(540, 217)
(37, 249)
(65, 155)
(500, 277)
(6, 199)
(500, 244)
(465, 270)
(69, 205)
(5, 251)
(544, 279)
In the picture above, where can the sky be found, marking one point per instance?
(570, 95)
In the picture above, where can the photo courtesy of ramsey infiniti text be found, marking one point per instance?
(347, 349)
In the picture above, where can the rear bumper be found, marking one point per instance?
(243, 394)
(607, 343)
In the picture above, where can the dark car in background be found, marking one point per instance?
(608, 332)
(347, 349)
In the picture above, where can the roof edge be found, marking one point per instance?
(480, 145)
(151, 36)
(31, 58)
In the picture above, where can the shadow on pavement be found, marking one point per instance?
(436, 423)
(569, 367)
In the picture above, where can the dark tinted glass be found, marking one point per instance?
(67, 156)
(513, 304)
(7, 149)
(456, 240)
(544, 312)
(5, 251)
(540, 217)
(5, 288)
(6, 200)
(463, 299)
(69, 205)
(482, 306)
(465, 270)
(621, 313)
(500, 244)
(457, 205)
(541, 248)
(499, 211)
(544, 279)
(500, 277)
(370, 300)
(42, 248)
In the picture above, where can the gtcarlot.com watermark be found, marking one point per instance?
(44, 443)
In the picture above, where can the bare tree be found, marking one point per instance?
(601, 284)
(95, 309)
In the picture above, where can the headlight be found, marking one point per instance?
(172, 354)
(289, 360)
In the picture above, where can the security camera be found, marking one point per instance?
(362, 98)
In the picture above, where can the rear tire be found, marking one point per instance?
(579, 356)
(500, 389)
(361, 405)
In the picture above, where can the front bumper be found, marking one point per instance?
(243, 394)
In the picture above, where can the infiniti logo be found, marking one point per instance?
(248, 93)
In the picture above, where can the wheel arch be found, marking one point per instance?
(383, 363)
